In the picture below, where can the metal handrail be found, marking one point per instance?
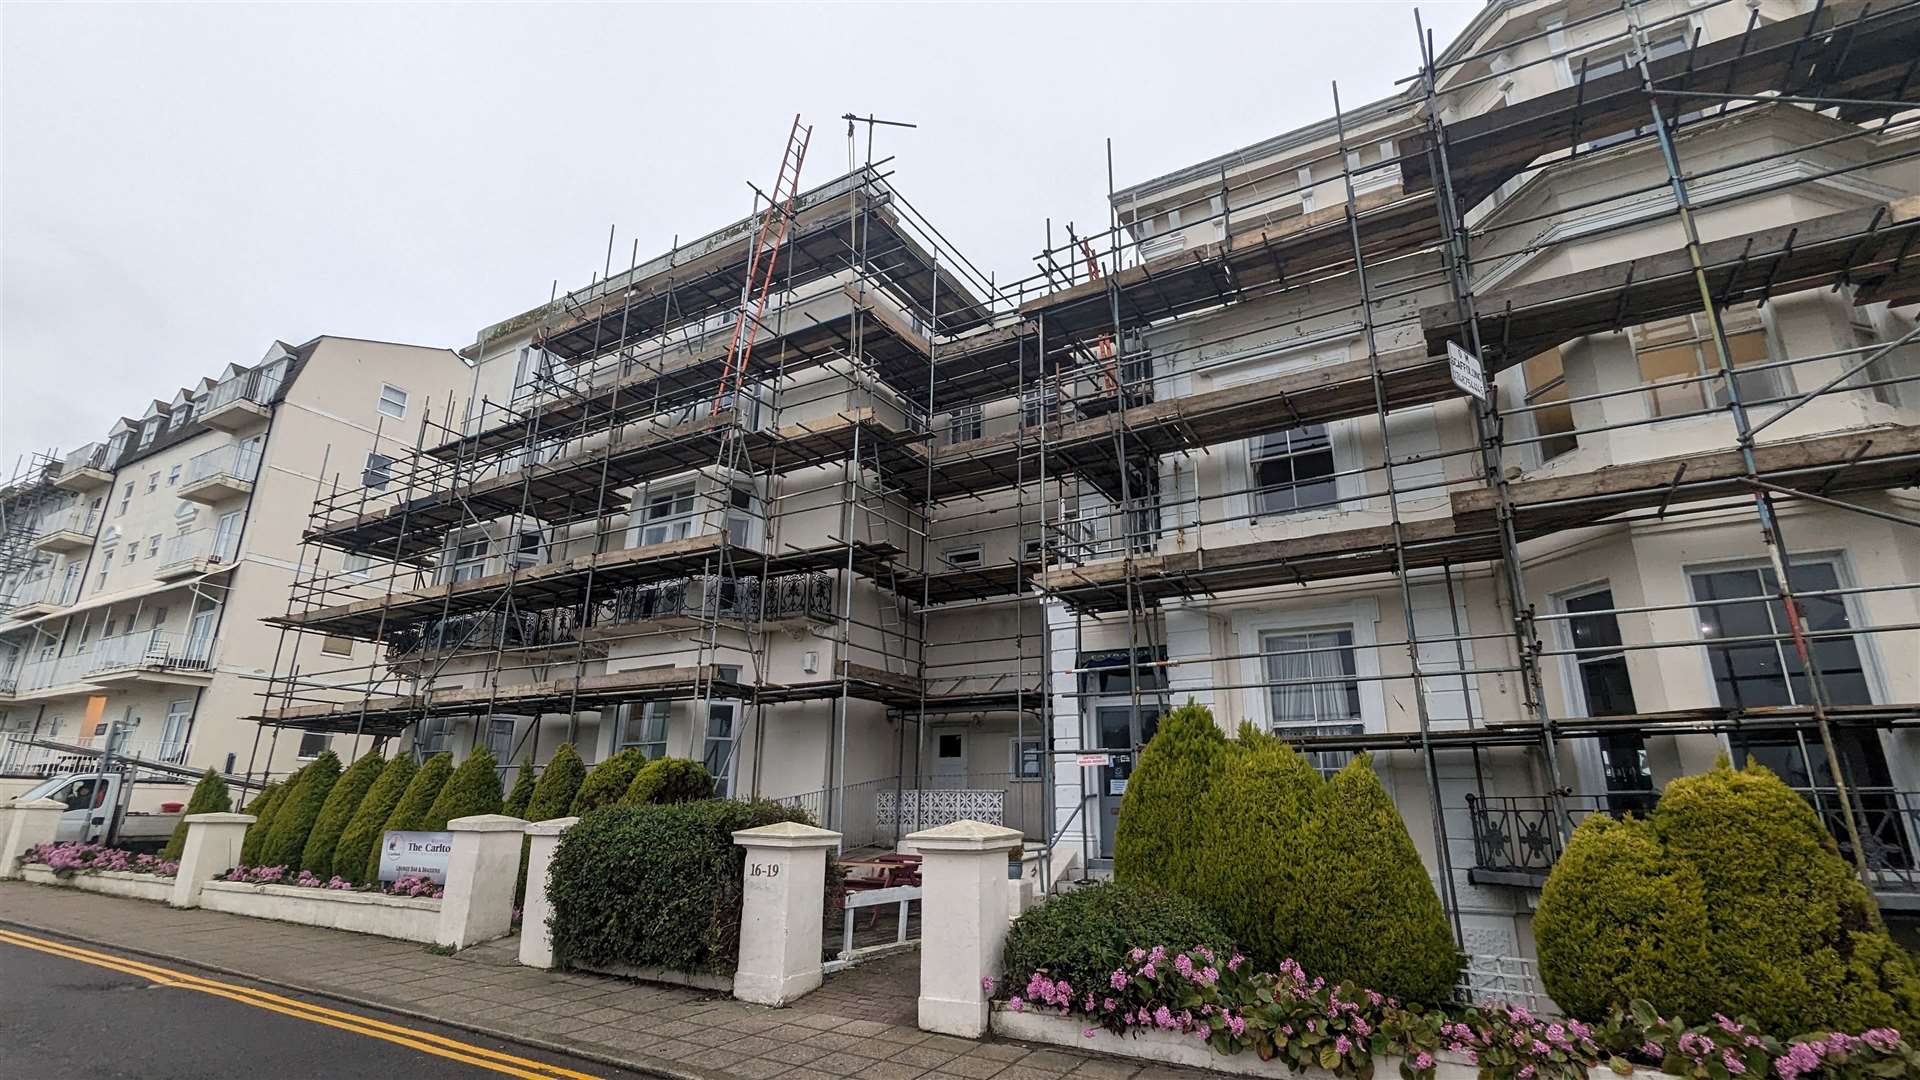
(238, 460)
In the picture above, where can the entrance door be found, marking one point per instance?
(949, 770)
(1115, 734)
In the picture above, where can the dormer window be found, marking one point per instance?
(116, 446)
(178, 419)
(150, 429)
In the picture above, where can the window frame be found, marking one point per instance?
(1257, 456)
(1859, 628)
(977, 551)
(1024, 749)
(386, 405)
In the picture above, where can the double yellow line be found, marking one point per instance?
(423, 1041)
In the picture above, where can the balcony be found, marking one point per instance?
(1515, 841)
(241, 403)
(23, 755)
(43, 596)
(708, 597)
(68, 531)
(150, 656)
(196, 552)
(526, 633)
(85, 470)
(219, 475)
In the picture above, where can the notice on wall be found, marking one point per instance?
(415, 854)
(1466, 371)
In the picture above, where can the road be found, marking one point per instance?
(80, 1012)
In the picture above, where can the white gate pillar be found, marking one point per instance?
(212, 849)
(536, 940)
(963, 921)
(783, 901)
(30, 823)
(482, 868)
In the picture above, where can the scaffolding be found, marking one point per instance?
(898, 399)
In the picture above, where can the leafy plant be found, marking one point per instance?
(210, 796)
(559, 782)
(608, 781)
(1082, 935)
(669, 780)
(474, 788)
(299, 808)
(521, 796)
(362, 834)
(345, 798)
(262, 808)
(1157, 842)
(410, 813)
(655, 886)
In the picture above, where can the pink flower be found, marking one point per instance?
(1118, 980)
(1423, 1060)
(1016, 1004)
(1342, 1045)
(1237, 1025)
(986, 984)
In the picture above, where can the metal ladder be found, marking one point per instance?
(761, 265)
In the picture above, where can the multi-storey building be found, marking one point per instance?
(139, 567)
(1473, 427)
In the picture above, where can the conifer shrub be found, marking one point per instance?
(1794, 940)
(1083, 935)
(608, 781)
(1260, 814)
(1619, 921)
(669, 780)
(345, 798)
(474, 788)
(362, 834)
(559, 782)
(1391, 933)
(410, 813)
(299, 808)
(1162, 815)
(209, 796)
(262, 808)
(655, 885)
(521, 796)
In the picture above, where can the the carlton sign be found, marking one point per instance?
(415, 854)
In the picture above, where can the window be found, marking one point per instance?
(173, 476)
(964, 424)
(1313, 689)
(355, 564)
(393, 402)
(150, 429)
(133, 551)
(1881, 371)
(336, 646)
(1292, 470)
(178, 418)
(126, 496)
(743, 512)
(1602, 688)
(1029, 758)
(527, 548)
(106, 629)
(115, 447)
(313, 743)
(153, 481)
(378, 472)
(965, 558)
(159, 617)
(533, 372)
(1546, 379)
(666, 515)
(469, 559)
(433, 736)
(718, 752)
(1596, 67)
(500, 739)
(1039, 405)
(645, 726)
(153, 545)
(1762, 668)
(1673, 351)
(1304, 177)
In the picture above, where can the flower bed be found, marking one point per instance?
(1299, 1022)
(73, 857)
(408, 885)
(134, 886)
(408, 918)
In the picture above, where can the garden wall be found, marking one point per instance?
(405, 917)
(109, 882)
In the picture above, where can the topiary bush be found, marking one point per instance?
(1260, 818)
(299, 808)
(262, 808)
(209, 797)
(1162, 817)
(1618, 921)
(655, 886)
(521, 796)
(411, 811)
(669, 780)
(362, 834)
(559, 782)
(1794, 939)
(608, 781)
(1391, 934)
(1083, 935)
(474, 788)
(345, 798)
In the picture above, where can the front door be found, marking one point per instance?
(949, 769)
(1115, 734)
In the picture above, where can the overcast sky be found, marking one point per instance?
(182, 184)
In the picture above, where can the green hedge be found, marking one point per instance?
(209, 797)
(362, 834)
(262, 808)
(299, 808)
(522, 794)
(345, 798)
(1619, 921)
(608, 781)
(1792, 939)
(655, 886)
(559, 782)
(1084, 934)
(474, 788)
(669, 780)
(410, 813)
(1248, 828)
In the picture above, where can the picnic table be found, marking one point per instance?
(883, 871)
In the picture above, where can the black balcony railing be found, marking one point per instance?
(709, 596)
(1516, 839)
(481, 630)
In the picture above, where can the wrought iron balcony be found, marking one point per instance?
(481, 630)
(1516, 839)
(709, 596)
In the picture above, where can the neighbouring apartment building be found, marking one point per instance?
(137, 569)
(1406, 432)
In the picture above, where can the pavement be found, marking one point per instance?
(860, 1024)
